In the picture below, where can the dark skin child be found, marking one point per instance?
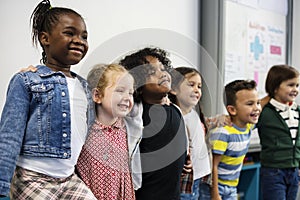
(66, 44)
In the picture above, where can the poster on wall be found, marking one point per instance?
(255, 39)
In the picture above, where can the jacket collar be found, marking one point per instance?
(46, 71)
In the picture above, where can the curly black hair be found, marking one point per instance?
(138, 65)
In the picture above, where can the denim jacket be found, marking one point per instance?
(36, 119)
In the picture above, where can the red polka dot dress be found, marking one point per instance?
(104, 162)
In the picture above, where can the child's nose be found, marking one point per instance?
(126, 96)
(196, 89)
(162, 74)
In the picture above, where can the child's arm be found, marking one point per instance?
(215, 191)
(264, 101)
(12, 128)
(222, 120)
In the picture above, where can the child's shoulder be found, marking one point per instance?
(220, 130)
(173, 108)
(40, 70)
(231, 129)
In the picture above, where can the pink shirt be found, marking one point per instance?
(104, 162)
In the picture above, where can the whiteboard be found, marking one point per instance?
(255, 39)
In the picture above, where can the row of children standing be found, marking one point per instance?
(54, 94)
(280, 147)
(41, 141)
(47, 99)
(278, 129)
(230, 142)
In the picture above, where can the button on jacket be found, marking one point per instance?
(36, 119)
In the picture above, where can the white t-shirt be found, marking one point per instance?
(199, 153)
(62, 168)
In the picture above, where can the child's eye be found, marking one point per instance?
(293, 85)
(119, 90)
(84, 37)
(250, 103)
(69, 33)
(151, 72)
(191, 84)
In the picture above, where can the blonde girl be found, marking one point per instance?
(104, 161)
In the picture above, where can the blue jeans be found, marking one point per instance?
(194, 195)
(227, 192)
(298, 193)
(279, 184)
(201, 191)
(204, 191)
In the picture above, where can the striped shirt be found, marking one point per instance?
(232, 143)
(290, 115)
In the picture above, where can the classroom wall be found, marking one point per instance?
(225, 35)
(115, 27)
(296, 35)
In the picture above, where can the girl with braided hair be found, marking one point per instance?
(47, 113)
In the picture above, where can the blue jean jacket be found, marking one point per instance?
(36, 119)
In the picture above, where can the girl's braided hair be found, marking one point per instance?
(43, 18)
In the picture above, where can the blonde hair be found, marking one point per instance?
(102, 75)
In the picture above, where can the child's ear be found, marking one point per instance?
(231, 110)
(43, 38)
(97, 97)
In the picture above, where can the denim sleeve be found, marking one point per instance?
(12, 128)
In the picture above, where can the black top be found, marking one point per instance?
(163, 152)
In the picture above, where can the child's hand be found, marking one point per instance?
(188, 167)
(219, 120)
(223, 120)
(30, 68)
(166, 101)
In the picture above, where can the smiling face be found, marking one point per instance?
(158, 81)
(246, 109)
(189, 92)
(117, 99)
(66, 44)
(287, 91)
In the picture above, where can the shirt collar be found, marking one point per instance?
(281, 106)
(119, 124)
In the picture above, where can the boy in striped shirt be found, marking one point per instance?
(230, 143)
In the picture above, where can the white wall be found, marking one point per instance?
(296, 35)
(115, 27)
